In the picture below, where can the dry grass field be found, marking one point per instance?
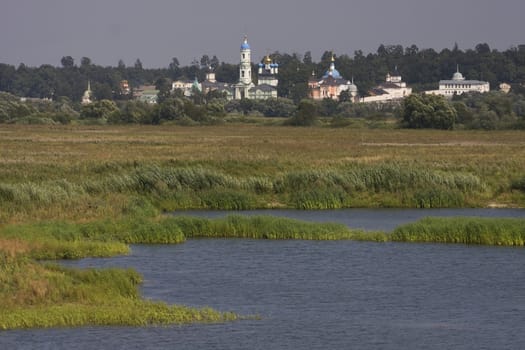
(36, 155)
(30, 146)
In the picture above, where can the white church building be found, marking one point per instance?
(267, 86)
(394, 88)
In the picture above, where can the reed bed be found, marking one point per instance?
(137, 314)
(267, 227)
(52, 296)
(464, 230)
(199, 187)
(65, 240)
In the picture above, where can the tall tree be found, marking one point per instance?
(138, 64)
(205, 61)
(428, 111)
(67, 62)
(214, 62)
(174, 64)
(85, 62)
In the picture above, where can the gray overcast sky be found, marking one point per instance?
(39, 32)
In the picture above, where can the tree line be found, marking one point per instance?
(64, 85)
(420, 68)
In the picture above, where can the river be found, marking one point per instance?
(321, 295)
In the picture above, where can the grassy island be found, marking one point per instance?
(68, 192)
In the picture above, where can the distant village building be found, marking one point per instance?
(330, 85)
(505, 87)
(211, 84)
(124, 87)
(185, 85)
(146, 93)
(86, 98)
(459, 85)
(394, 88)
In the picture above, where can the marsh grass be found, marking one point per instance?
(137, 314)
(170, 188)
(464, 230)
(66, 240)
(267, 227)
(66, 172)
(35, 295)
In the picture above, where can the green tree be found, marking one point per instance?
(67, 62)
(205, 61)
(164, 87)
(170, 109)
(328, 107)
(214, 62)
(276, 107)
(427, 111)
(306, 114)
(85, 62)
(102, 111)
(136, 112)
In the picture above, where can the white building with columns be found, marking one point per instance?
(459, 85)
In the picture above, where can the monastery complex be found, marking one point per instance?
(331, 85)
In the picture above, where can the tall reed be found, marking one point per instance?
(465, 230)
(267, 227)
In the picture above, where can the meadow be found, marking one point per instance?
(83, 172)
(68, 192)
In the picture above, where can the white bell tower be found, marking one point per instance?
(245, 68)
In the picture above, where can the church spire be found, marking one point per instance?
(245, 67)
(86, 98)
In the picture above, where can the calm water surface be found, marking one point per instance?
(319, 295)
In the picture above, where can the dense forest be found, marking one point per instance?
(420, 69)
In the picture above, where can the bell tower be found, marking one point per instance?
(245, 68)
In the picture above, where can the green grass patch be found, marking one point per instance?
(66, 240)
(268, 227)
(464, 230)
(137, 314)
(43, 296)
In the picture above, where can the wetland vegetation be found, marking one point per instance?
(77, 191)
